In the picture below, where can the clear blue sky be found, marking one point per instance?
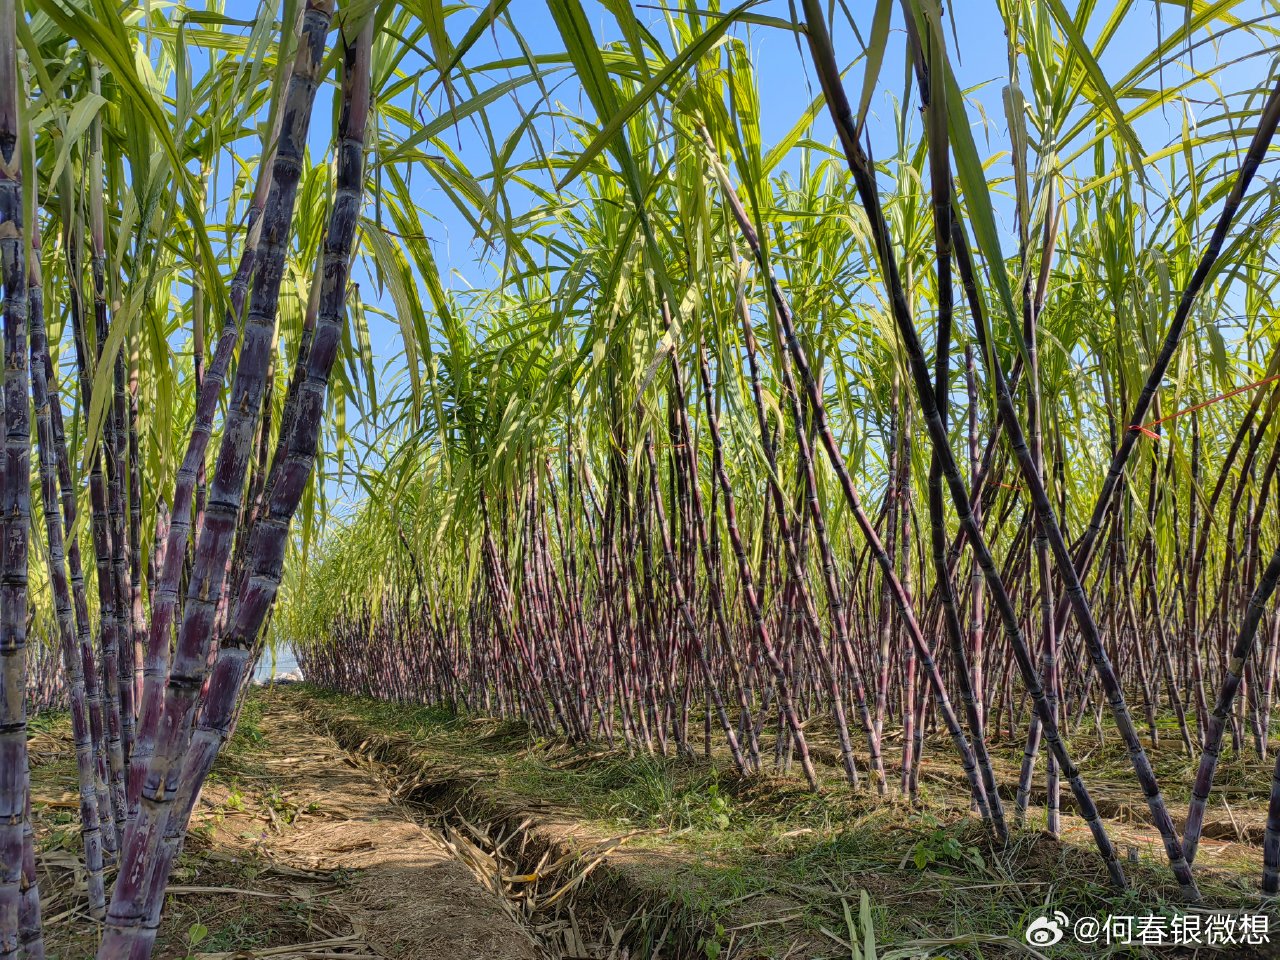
(787, 85)
(786, 88)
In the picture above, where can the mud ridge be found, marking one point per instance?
(581, 893)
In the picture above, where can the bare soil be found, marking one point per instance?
(297, 850)
(342, 828)
(783, 876)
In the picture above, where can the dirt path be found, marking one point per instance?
(408, 896)
(363, 830)
(297, 850)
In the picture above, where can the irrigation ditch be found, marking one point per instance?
(577, 892)
(584, 885)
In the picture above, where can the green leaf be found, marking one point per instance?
(103, 34)
(614, 122)
(103, 377)
(868, 928)
(1097, 82)
(82, 115)
(875, 57)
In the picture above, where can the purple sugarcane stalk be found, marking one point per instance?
(174, 552)
(30, 928)
(940, 181)
(901, 598)
(686, 612)
(171, 548)
(120, 635)
(81, 732)
(13, 493)
(977, 597)
(1178, 858)
(711, 561)
(1240, 653)
(1085, 551)
(103, 728)
(750, 598)
(137, 614)
(1271, 839)
(842, 114)
(270, 535)
(144, 836)
(108, 624)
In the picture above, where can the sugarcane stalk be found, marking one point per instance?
(120, 635)
(977, 654)
(144, 836)
(934, 100)
(14, 488)
(189, 481)
(30, 927)
(108, 628)
(1268, 119)
(793, 349)
(1240, 653)
(842, 113)
(103, 711)
(747, 582)
(81, 732)
(686, 612)
(270, 533)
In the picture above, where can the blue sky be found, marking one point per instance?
(978, 49)
(787, 85)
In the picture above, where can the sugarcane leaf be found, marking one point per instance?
(868, 928)
(103, 388)
(484, 20)
(393, 271)
(971, 175)
(103, 34)
(1097, 81)
(77, 124)
(875, 51)
(619, 117)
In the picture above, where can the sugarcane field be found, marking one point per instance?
(610, 480)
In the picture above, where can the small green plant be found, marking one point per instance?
(860, 930)
(286, 810)
(196, 934)
(940, 848)
(867, 949)
(46, 721)
(653, 797)
(249, 725)
(709, 810)
(712, 946)
(62, 839)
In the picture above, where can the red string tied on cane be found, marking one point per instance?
(1146, 430)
